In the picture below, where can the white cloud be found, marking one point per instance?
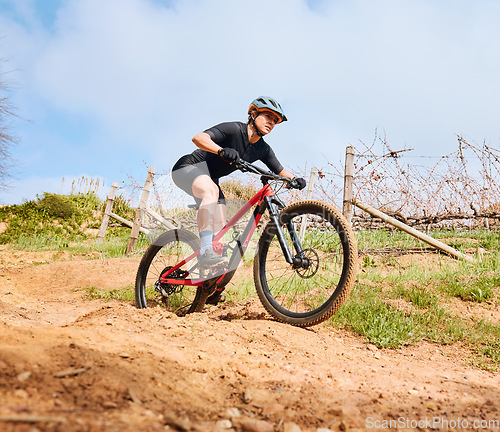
(151, 74)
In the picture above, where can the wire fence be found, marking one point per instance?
(457, 189)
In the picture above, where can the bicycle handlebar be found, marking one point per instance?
(245, 166)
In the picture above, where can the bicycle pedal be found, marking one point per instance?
(220, 248)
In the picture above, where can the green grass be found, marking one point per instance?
(369, 312)
(382, 325)
(462, 239)
(241, 291)
(471, 282)
(459, 239)
(125, 294)
(113, 245)
(380, 239)
(398, 301)
(420, 296)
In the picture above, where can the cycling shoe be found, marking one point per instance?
(210, 259)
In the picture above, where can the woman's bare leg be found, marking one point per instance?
(211, 216)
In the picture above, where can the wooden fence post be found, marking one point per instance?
(310, 187)
(107, 212)
(139, 215)
(348, 183)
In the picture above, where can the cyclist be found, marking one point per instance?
(198, 173)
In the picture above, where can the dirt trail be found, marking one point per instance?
(72, 364)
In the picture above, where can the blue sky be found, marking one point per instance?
(104, 88)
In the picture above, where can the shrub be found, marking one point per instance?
(58, 206)
(53, 217)
(234, 189)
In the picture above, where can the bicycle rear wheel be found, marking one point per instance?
(309, 293)
(164, 253)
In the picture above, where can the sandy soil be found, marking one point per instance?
(72, 364)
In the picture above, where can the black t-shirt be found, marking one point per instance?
(234, 135)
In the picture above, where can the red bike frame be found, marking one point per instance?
(258, 201)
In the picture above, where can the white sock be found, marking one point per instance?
(206, 237)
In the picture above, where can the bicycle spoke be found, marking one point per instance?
(308, 287)
(291, 290)
(169, 250)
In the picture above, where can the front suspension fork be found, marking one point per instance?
(272, 205)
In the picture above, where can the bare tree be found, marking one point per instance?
(7, 140)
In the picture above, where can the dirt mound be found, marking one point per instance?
(72, 364)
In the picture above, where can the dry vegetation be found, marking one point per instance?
(458, 189)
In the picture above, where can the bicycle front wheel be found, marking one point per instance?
(165, 252)
(311, 290)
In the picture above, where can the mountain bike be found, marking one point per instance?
(303, 270)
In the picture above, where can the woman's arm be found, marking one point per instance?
(301, 183)
(204, 142)
(285, 173)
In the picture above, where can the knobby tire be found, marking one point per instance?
(166, 251)
(307, 296)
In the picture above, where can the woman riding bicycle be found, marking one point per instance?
(198, 173)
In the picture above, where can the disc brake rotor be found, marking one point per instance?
(311, 257)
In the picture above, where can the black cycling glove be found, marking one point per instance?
(300, 183)
(229, 154)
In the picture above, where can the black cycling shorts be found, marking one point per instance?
(184, 175)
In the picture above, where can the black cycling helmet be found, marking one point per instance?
(265, 103)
